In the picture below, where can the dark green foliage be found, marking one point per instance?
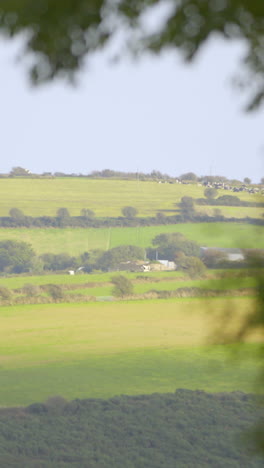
(123, 253)
(16, 213)
(55, 290)
(123, 286)
(182, 430)
(19, 172)
(247, 180)
(61, 261)
(31, 290)
(167, 246)
(86, 213)
(227, 200)
(210, 193)
(214, 258)
(15, 257)
(5, 293)
(186, 215)
(192, 265)
(129, 211)
(189, 176)
(63, 213)
(187, 208)
(63, 33)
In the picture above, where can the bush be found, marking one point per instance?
(210, 193)
(192, 265)
(16, 213)
(214, 258)
(129, 211)
(63, 213)
(123, 286)
(31, 290)
(56, 291)
(5, 293)
(88, 214)
(15, 257)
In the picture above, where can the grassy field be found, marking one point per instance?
(143, 288)
(39, 197)
(99, 285)
(76, 241)
(100, 350)
(20, 280)
(234, 211)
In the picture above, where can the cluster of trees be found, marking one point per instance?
(16, 257)
(176, 247)
(19, 257)
(185, 428)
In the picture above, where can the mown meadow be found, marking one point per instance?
(43, 197)
(130, 346)
(100, 285)
(75, 241)
(105, 349)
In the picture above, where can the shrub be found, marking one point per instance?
(31, 290)
(5, 293)
(56, 291)
(86, 213)
(192, 265)
(129, 211)
(210, 193)
(63, 213)
(123, 286)
(16, 213)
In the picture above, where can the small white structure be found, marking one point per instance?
(71, 272)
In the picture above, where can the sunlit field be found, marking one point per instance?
(42, 197)
(76, 241)
(104, 349)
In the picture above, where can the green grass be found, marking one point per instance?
(160, 281)
(76, 241)
(172, 285)
(16, 282)
(233, 211)
(100, 350)
(39, 197)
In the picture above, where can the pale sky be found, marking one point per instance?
(156, 113)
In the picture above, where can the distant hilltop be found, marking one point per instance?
(188, 177)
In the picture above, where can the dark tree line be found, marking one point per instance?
(184, 429)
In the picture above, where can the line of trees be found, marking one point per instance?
(19, 257)
(187, 213)
(183, 429)
(20, 172)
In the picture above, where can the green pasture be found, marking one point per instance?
(38, 197)
(19, 281)
(76, 241)
(42, 197)
(172, 285)
(233, 211)
(97, 284)
(106, 349)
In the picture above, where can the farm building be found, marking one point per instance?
(141, 266)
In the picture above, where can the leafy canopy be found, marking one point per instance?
(61, 34)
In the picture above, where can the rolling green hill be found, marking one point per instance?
(104, 349)
(42, 197)
(75, 241)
